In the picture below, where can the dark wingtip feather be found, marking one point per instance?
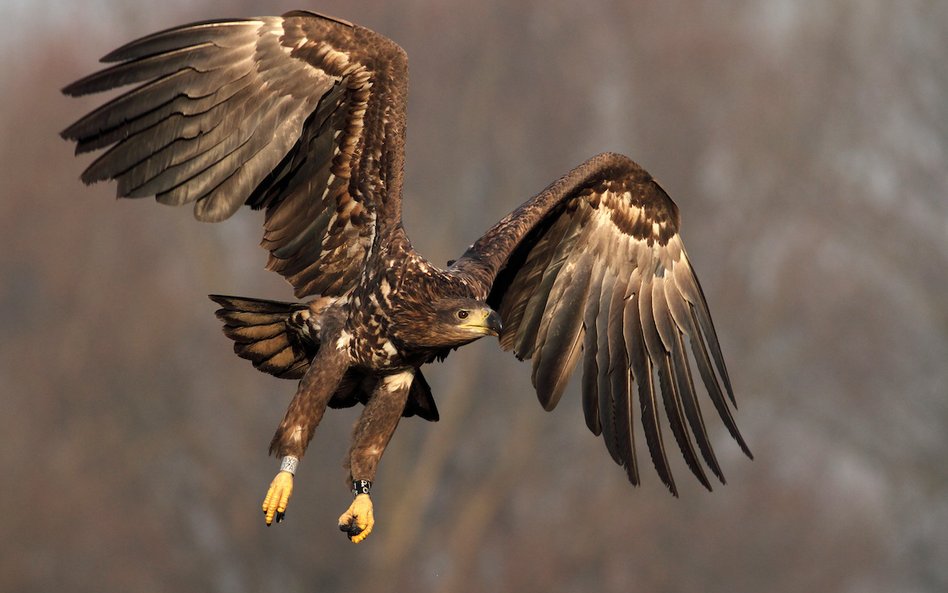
(670, 484)
(703, 360)
(743, 445)
(674, 413)
(67, 134)
(73, 89)
(632, 471)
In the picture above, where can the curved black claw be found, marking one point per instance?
(350, 528)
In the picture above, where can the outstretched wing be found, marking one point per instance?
(302, 115)
(593, 268)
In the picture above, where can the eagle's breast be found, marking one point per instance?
(372, 312)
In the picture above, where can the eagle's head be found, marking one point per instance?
(445, 322)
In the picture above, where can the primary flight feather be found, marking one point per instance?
(303, 116)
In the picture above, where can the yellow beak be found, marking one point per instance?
(486, 321)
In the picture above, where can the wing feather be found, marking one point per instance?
(206, 111)
(181, 139)
(603, 363)
(143, 168)
(688, 285)
(685, 277)
(619, 375)
(525, 283)
(648, 399)
(677, 308)
(221, 32)
(689, 400)
(638, 304)
(564, 269)
(552, 260)
(619, 379)
(198, 166)
(201, 57)
(590, 383)
(658, 341)
(555, 359)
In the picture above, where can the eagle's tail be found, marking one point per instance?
(268, 333)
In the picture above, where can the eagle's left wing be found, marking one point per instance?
(301, 114)
(593, 268)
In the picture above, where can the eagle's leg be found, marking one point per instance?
(299, 423)
(369, 439)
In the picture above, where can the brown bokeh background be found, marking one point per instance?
(805, 143)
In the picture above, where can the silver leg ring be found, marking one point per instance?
(289, 464)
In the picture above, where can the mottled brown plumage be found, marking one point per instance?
(303, 116)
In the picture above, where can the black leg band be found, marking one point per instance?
(361, 487)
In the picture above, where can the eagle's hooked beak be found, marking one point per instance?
(493, 323)
(485, 321)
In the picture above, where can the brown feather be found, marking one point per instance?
(620, 375)
(559, 347)
(603, 364)
(590, 381)
(526, 265)
(533, 313)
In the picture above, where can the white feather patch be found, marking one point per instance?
(345, 338)
(399, 381)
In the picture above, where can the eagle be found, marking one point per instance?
(303, 116)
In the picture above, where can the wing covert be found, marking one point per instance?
(593, 267)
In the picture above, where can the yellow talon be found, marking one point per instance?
(274, 505)
(358, 520)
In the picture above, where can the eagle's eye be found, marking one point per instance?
(462, 314)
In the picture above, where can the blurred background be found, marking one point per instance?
(805, 143)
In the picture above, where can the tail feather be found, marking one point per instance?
(263, 333)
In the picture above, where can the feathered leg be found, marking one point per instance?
(302, 416)
(369, 439)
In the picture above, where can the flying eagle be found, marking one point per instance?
(303, 116)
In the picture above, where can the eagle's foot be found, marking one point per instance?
(358, 520)
(274, 505)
